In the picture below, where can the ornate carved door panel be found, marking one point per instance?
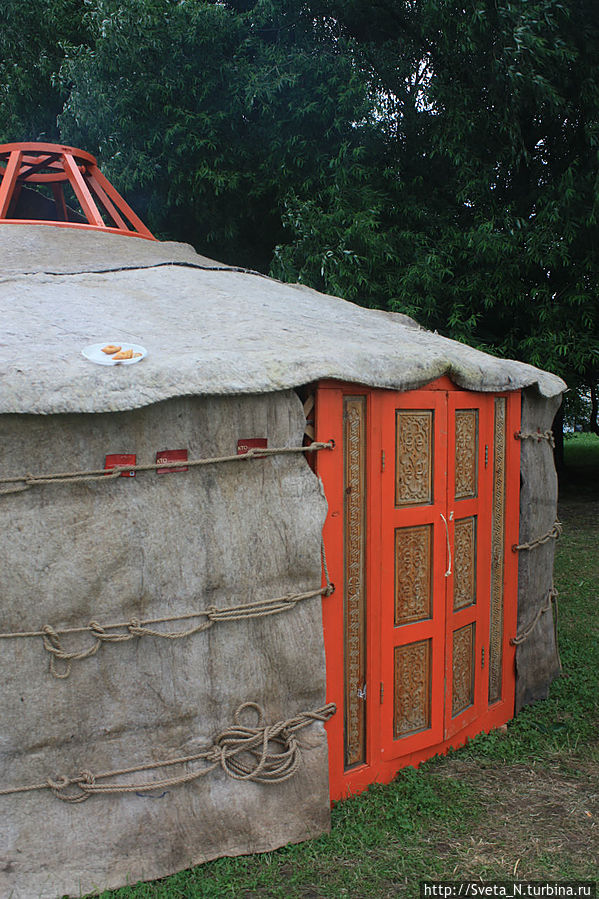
(435, 564)
(413, 565)
(354, 587)
(469, 484)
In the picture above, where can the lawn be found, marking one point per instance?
(524, 803)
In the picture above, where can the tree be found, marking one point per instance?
(490, 181)
(207, 114)
(33, 41)
(406, 154)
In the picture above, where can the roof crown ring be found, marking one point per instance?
(52, 184)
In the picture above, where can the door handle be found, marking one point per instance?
(448, 572)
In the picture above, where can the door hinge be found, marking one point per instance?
(486, 455)
(482, 657)
(382, 460)
(362, 692)
(382, 691)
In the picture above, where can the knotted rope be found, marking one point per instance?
(262, 754)
(24, 482)
(554, 534)
(550, 600)
(136, 628)
(536, 435)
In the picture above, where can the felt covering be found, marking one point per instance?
(537, 660)
(150, 546)
(161, 544)
(207, 331)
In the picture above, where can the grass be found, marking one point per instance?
(523, 804)
(581, 453)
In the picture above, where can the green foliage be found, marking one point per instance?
(518, 87)
(486, 168)
(33, 41)
(404, 155)
(208, 114)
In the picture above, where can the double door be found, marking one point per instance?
(435, 565)
(416, 635)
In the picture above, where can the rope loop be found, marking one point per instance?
(52, 645)
(62, 787)
(134, 628)
(550, 600)
(261, 754)
(554, 534)
(537, 435)
(103, 636)
(249, 705)
(87, 778)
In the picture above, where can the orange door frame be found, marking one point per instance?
(378, 466)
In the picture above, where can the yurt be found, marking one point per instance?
(260, 547)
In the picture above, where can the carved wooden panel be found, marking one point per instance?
(412, 688)
(355, 580)
(413, 573)
(466, 453)
(462, 669)
(464, 563)
(414, 457)
(497, 554)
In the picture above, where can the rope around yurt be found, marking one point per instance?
(135, 628)
(536, 435)
(554, 534)
(550, 601)
(231, 750)
(551, 595)
(18, 483)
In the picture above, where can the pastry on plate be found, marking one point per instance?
(110, 349)
(123, 354)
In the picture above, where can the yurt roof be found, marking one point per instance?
(208, 329)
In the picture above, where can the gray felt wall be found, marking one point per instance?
(537, 660)
(149, 546)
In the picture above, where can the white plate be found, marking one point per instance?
(94, 353)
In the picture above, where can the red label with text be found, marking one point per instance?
(115, 460)
(244, 446)
(171, 456)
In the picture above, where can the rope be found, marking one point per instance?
(24, 482)
(536, 435)
(554, 534)
(550, 600)
(244, 753)
(330, 588)
(136, 628)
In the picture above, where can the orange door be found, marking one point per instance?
(423, 507)
(413, 568)
(469, 486)
(435, 565)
